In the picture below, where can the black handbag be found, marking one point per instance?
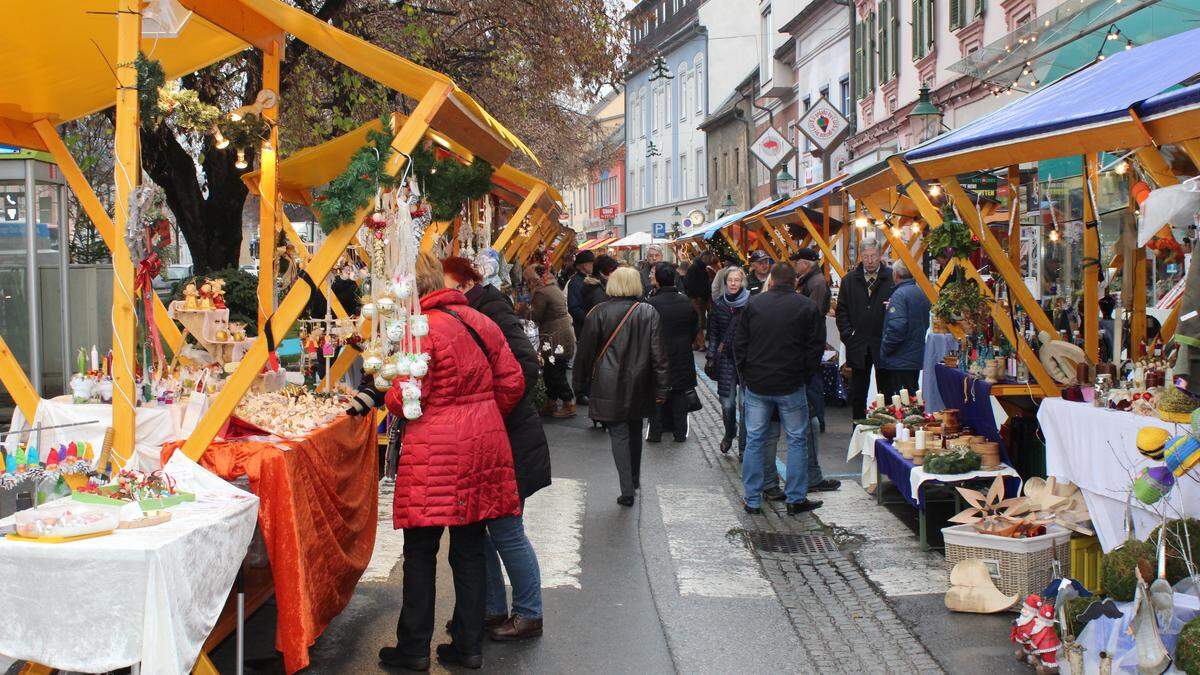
(691, 400)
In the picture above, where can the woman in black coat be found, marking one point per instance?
(531, 461)
(679, 328)
(628, 377)
(729, 299)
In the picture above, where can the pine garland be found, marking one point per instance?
(150, 77)
(355, 188)
(447, 184)
(952, 239)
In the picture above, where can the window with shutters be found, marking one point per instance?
(883, 48)
(918, 29)
(930, 27)
(894, 58)
(859, 87)
(980, 6)
(956, 14)
(872, 49)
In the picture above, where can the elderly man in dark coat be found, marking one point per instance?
(679, 328)
(860, 307)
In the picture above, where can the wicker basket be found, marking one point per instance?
(1018, 566)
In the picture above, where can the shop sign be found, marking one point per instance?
(608, 211)
(771, 148)
(824, 124)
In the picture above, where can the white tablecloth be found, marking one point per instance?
(862, 442)
(155, 426)
(148, 596)
(1096, 449)
(919, 476)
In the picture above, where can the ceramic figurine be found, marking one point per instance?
(1023, 625)
(1044, 641)
(191, 297)
(419, 325)
(395, 330)
(372, 364)
(382, 383)
(420, 365)
(218, 293)
(206, 301)
(389, 370)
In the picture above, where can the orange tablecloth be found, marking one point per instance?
(318, 515)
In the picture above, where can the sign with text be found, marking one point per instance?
(660, 231)
(771, 148)
(608, 211)
(824, 124)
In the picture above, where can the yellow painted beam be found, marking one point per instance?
(268, 186)
(346, 357)
(902, 251)
(534, 239)
(822, 244)
(562, 248)
(915, 191)
(732, 244)
(998, 257)
(100, 218)
(204, 666)
(17, 383)
(127, 173)
(302, 250)
(514, 223)
(1014, 215)
(319, 266)
(1153, 163)
(433, 232)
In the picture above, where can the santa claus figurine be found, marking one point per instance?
(1044, 641)
(1023, 625)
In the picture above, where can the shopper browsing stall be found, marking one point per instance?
(860, 308)
(902, 349)
(760, 268)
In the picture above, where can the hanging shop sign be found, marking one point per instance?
(824, 125)
(771, 148)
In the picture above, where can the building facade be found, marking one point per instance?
(581, 198)
(665, 100)
(820, 40)
(728, 134)
(606, 189)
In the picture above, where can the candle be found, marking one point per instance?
(895, 400)
(920, 400)
(904, 397)
(880, 401)
(920, 439)
(95, 358)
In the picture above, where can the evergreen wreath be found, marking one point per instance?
(355, 188)
(961, 299)
(951, 462)
(952, 239)
(446, 184)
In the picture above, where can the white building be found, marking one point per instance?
(821, 41)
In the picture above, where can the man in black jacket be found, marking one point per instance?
(778, 347)
(679, 327)
(583, 268)
(860, 311)
(698, 286)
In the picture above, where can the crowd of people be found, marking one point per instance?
(628, 336)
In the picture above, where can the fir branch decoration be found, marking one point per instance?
(952, 239)
(355, 188)
(961, 299)
(150, 77)
(951, 462)
(446, 184)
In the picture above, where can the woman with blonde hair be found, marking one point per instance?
(621, 358)
(455, 470)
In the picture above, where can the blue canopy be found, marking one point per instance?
(709, 230)
(806, 200)
(1097, 94)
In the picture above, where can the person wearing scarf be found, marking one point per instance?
(730, 296)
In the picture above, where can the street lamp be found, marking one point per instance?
(784, 178)
(926, 112)
(675, 228)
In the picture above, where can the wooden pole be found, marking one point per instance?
(268, 187)
(821, 243)
(514, 222)
(319, 266)
(17, 383)
(100, 218)
(1014, 216)
(1091, 261)
(825, 236)
(127, 173)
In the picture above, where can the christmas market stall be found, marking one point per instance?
(1114, 397)
(133, 459)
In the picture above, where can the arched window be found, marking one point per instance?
(640, 116)
(685, 90)
(698, 84)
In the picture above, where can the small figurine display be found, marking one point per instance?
(218, 292)
(191, 297)
(1044, 641)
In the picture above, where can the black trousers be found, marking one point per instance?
(414, 630)
(557, 386)
(895, 380)
(626, 438)
(860, 384)
(670, 416)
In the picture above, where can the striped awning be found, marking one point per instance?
(593, 244)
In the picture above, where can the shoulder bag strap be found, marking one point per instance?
(596, 363)
(474, 335)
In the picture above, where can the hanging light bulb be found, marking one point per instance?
(935, 190)
(221, 141)
(1100, 57)
(1054, 235)
(861, 222)
(1028, 68)
(1121, 168)
(241, 159)
(1128, 44)
(896, 230)
(235, 116)
(1033, 83)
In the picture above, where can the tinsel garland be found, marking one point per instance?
(9, 481)
(447, 184)
(355, 188)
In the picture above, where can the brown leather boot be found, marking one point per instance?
(517, 628)
(567, 410)
(549, 409)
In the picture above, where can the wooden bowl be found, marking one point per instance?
(888, 430)
(989, 454)
(906, 447)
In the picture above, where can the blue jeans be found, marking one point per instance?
(735, 423)
(506, 540)
(793, 414)
(771, 474)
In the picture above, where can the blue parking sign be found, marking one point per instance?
(660, 231)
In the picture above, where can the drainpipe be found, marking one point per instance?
(852, 113)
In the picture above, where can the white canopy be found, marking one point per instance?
(636, 239)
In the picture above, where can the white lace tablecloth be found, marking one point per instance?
(1096, 449)
(862, 442)
(148, 596)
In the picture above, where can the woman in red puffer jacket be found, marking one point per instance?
(455, 469)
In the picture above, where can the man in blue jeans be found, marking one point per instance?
(778, 348)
